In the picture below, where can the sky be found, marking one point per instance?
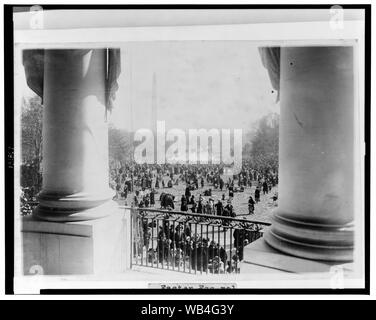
(199, 84)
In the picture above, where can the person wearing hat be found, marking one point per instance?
(231, 190)
(219, 208)
(265, 188)
(152, 197)
(239, 241)
(208, 208)
(257, 194)
(125, 191)
(211, 203)
(230, 209)
(221, 183)
(200, 206)
(251, 205)
(187, 192)
(184, 203)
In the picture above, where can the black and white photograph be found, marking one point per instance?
(189, 148)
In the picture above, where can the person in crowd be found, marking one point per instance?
(194, 207)
(230, 209)
(202, 259)
(118, 190)
(233, 264)
(257, 194)
(219, 208)
(231, 190)
(221, 184)
(147, 201)
(135, 201)
(239, 239)
(208, 207)
(251, 205)
(265, 188)
(275, 198)
(187, 192)
(184, 203)
(125, 191)
(152, 197)
(200, 205)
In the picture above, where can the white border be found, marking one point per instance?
(300, 33)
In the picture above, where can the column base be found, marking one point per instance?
(66, 209)
(97, 247)
(311, 240)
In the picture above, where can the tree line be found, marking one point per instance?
(260, 148)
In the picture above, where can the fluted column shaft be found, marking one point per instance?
(75, 137)
(316, 159)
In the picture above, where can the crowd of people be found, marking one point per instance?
(176, 244)
(145, 181)
(143, 186)
(179, 247)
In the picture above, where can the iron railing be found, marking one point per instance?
(190, 242)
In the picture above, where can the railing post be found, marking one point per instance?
(130, 220)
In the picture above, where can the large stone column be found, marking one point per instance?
(76, 193)
(75, 137)
(316, 156)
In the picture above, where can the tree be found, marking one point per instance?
(31, 129)
(120, 146)
(265, 143)
(31, 145)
